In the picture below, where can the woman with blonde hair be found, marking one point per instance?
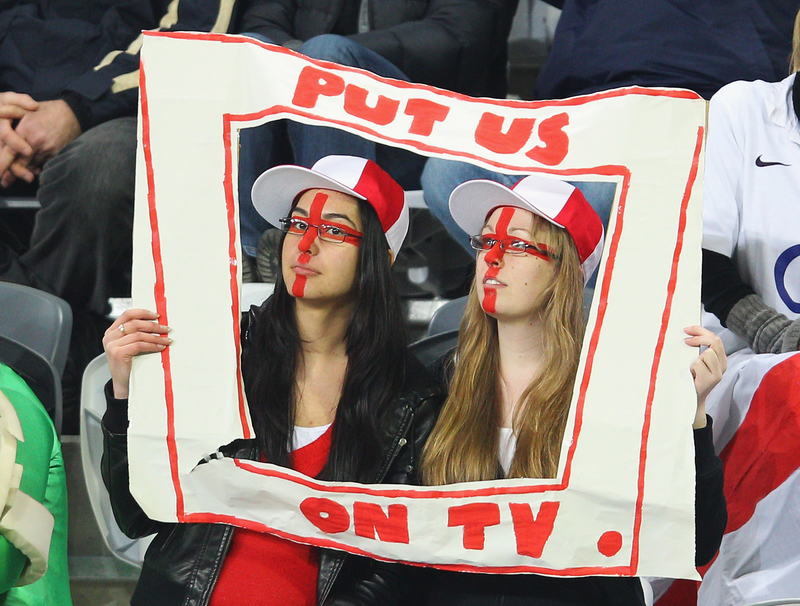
(513, 372)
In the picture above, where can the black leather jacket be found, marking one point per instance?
(183, 563)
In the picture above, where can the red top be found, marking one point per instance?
(262, 569)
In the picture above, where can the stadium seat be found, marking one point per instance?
(430, 349)
(93, 406)
(38, 320)
(37, 371)
(448, 317)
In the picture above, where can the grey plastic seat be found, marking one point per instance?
(38, 320)
(93, 406)
(429, 349)
(37, 371)
(442, 334)
(447, 317)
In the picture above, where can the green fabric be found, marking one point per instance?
(42, 479)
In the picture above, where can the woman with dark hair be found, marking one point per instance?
(332, 392)
(514, 370)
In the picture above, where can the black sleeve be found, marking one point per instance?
(387, 584)
(722, 288)
(114, 469)
(111, 89)
(711, 512)
(271, 18)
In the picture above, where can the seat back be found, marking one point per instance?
(447, 317)
(40, 375)
(93, 406)
(38, 320)
(430, 349)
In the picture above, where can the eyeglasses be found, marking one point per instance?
(511, 246)
(329, 232)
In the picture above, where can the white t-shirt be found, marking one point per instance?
(508, 446)
(303, 436)
(752, 188)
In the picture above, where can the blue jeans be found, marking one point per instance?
(260, 145)
(441, 177)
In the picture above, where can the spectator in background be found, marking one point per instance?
(603, 44)
(68, 116)
(751, 294)
(460, 45)
(696, 44)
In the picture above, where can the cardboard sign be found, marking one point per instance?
(623, 501)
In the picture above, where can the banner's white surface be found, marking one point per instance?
(623, 501)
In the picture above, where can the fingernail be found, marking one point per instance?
(160, 346)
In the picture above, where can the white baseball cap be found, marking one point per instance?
(556, 201)
(276, 189)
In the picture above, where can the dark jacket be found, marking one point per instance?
(183, 563)
(464, 589)
(87, 51)
(458, 45)
(696, 44)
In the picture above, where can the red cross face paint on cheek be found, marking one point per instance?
(495, 256)
(304, 245)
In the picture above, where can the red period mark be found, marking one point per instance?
(609, 543)
(495, 255)
(304, 245)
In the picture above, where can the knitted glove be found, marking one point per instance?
(765, 329)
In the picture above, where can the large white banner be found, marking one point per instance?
(623, 501)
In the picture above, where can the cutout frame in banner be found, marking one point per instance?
(623, 502)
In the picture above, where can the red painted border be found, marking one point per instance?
(580, 100)
(331, 544)
(159, 291)
(230, 208)
(665, 316)
(233, 228)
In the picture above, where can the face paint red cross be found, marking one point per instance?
(304, 245)
(494, 256)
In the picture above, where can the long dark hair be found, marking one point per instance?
(376, 343)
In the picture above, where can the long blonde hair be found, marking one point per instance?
(463, 446)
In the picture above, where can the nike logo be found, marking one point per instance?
(761, 163)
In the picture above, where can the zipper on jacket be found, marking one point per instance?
(222, 552)
(398, 442)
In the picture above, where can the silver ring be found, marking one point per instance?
(122, 328)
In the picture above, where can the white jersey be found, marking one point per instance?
(752, 188)
(752, 214)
